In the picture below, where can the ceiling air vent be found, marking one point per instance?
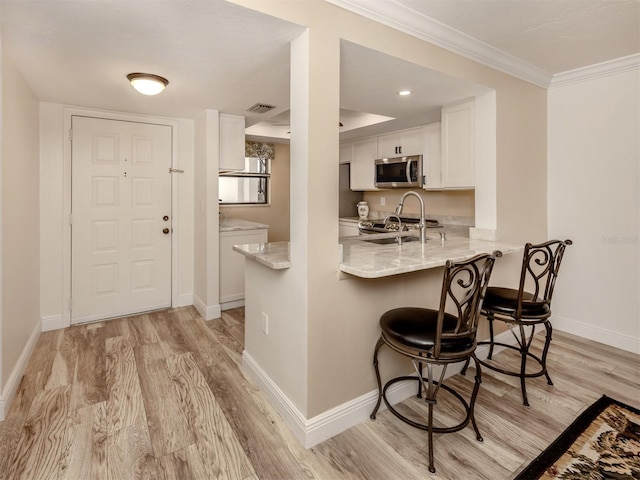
(260, 108)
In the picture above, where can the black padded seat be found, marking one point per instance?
(523, 311)
(505, 301)
(417, 328)
(436, 339)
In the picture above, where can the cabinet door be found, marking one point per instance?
(346, 153)
(231, 142)
(431, 159)
(348, 229)
(412, 142)
(362, 172)
(458, 146)
(389, 145)
(232, 263)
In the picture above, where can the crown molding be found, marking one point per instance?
(409, 21)
(611, 67)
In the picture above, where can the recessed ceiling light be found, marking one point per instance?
(147, 83)
(404, 93)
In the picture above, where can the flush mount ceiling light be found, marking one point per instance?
(404, 93)
(147, 83)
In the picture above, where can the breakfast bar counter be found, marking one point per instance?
(361, 257)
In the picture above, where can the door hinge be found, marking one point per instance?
(70, 219)
(175, 170)
(71, 134)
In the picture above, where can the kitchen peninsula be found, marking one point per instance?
(359, 280)
(364, 258)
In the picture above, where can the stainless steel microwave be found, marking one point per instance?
(399, 172)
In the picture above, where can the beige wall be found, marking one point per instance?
(459, 203)
(20, 217)
(340, 336)
(276, 215)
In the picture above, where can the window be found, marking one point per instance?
(251, 186)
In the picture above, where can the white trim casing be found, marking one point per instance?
(207, 312)
(11, 387)
(70, 111)
(597, 334)
(407, 20)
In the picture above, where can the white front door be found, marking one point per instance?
(120, 218)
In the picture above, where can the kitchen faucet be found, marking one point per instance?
(422, 225)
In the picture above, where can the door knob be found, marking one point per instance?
(165, 231)
(165, 218)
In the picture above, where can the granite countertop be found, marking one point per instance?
(274, 255)
(233, 224)
(369, 260)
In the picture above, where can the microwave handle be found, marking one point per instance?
(408, 172)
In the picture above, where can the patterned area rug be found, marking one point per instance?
(602, 443)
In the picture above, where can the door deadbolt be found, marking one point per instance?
(165, 231)
(165, 218)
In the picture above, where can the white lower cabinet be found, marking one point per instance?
(232, 264)
(348, 229)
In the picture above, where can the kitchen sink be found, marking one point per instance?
(390, 240)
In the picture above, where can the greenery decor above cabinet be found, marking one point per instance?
(400, 144)
(231, 143)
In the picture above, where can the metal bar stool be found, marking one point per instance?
(438, 338)
(524, 308)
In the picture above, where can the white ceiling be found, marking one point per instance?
(221, 56)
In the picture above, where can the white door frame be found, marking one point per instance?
(66, 228)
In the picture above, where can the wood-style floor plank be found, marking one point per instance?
(167, 422)
(85, 453)
(43, 437)
(130, 456)
(164, 396)
(125, 405)
(216, 442)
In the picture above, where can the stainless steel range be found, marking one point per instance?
(391, 224)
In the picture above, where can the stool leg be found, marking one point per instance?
(547, 344)
(431, 402)
(419, 395)
(375, 366)
(490, 319)
(474, 395)
(524, 348)
(464, 369)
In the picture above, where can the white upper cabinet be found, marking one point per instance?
(362, 171)
(458, 145)
(432, 159)
(402, 143)
(231, 142)
(346, 153)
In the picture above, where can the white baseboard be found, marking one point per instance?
(53, 322)
(185, 300)
(207, 312)
(312, 431)
(13, 382)
(229, 305)
(598, 334)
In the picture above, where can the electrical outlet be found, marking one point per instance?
(383, 201)
(265, 323)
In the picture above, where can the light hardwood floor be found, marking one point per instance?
(163, 395)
